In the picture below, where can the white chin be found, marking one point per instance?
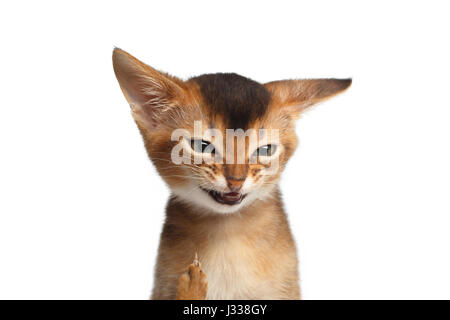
(193, 195)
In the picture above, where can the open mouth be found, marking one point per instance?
(229, 198)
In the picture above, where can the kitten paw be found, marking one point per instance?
(192, 285)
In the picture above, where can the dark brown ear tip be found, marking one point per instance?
(343, 84)
(346, 82)
(121, 59)
(120, 54)
(116, 52)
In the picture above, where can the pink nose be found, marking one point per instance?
(235, 184)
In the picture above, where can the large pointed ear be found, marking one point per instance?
(297, 95)
(148, 91)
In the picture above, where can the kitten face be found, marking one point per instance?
(220, 141)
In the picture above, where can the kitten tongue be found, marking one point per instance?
(231, 196)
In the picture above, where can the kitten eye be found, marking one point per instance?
(266, 151)
(202, 146)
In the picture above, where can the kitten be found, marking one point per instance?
(229, 212)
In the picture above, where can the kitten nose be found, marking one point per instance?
(235, 184)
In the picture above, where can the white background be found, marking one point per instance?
(367, 193)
